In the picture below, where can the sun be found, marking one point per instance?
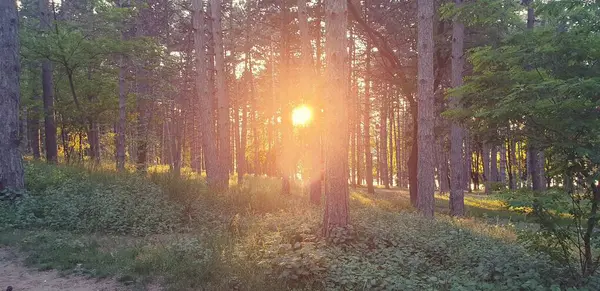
(301, 115)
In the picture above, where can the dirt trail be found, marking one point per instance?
(14, 273)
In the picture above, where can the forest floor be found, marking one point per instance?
(84, 230)
(13, 272)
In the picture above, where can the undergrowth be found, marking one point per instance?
(172, 231)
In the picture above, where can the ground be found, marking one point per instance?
(14, 273)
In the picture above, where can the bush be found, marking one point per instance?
(497, 186)
(64, 198)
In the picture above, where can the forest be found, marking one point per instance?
(299, 145)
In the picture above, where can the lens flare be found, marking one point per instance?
(301, 115)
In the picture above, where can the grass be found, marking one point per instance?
(251, 239)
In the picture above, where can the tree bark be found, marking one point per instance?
(209, 149)
(122, 123)
(48, 93)
(367, 116)
(485, 153)
(502, 173)
(336, 137)
(512, 170)
(383, 166)
(494, 164)
(11, 165)
(426, 108)
(457, 162)
(222, 97)
(442, 162)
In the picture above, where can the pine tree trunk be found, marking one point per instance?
(399, 147)
(383, 143)
(457, 162)
(367, 121)
(468, 162)
(222, 97)
(426, 108)
(11, 165)
(122, 123)
(336, 136)
(502, 173)
(413, 159)
(485, 153)
(209, 150)
(94, 141)
(536, 168)
(391, 135)
(494, 164)
(443, 169)
(513, 174)
(48, 93)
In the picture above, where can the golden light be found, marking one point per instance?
(301, 115)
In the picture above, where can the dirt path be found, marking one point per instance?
(14, 273)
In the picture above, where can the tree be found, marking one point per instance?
(425, 170)
(208, 141)
(122, 123)
(367, 113)
(222, 96)
(48, 92)
(11, 167)
(457, 196)
(542, 81)
(307, 72)
(336, 118)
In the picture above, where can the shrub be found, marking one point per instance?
(62, 198)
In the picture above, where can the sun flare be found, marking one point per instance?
(301, 115)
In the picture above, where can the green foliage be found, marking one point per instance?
(497, 186)
(541, 85)
(61, 199)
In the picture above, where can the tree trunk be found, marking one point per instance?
(536, 168)
(502, 173)
(413, 159)
(122, 123)
(399, 147)
(391, 135)
(208, 142)
(485, 153)
(426, 108)
(468, 162)
(94, 141)
(336, 137)
(493, 164)
(11, 165)
(367, 120)
(222, 97)
(442, 163)
(48, 93)
(512, 170)
(383, 166)
(457, 163)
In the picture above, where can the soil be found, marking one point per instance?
(14, 273)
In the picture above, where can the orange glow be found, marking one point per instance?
(301, 115)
